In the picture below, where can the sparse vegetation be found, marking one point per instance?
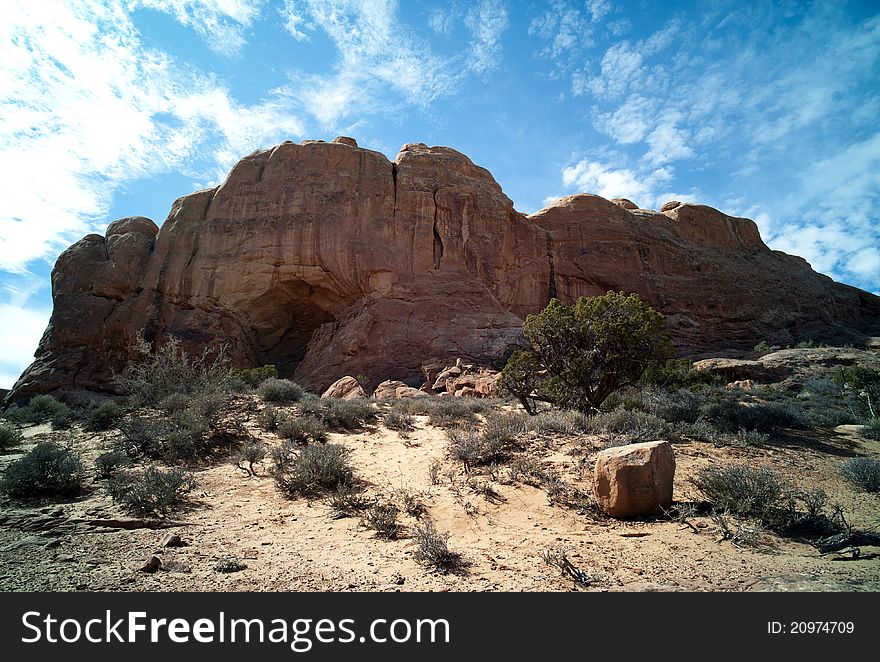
(9, 436)
(107, 464)
(251, 452)
(43, 409)
(558, 422)
(49, 471)
(346, 501)
(741, 489)
(863, 472)
(270, 419)
(634, 425)
(397, 420)
(338, 414)
(169, 370)
(253, 377)
(102, 417)
(432, 549)
(303, 429)
(312, 469)
(382, 517)
(153, 491)
(280, 391)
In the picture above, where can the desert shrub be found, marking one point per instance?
(473, 448)
(503, 428)
(578, 355)
(434, 471)
(635, 425)
(9, 436)
(251, 452)
(270, 419)
(450, 412)
(303, 429)
(107, 464)
(167, 370)
(701, 430)
(741, 489)
(400, 421)
(864, 383)
(102, 417)
(280, 391)
(679, 406)
(383, 519)
(174, 402)
(253, 377)
(863, 472)
(466, 446)
(153, 491)
(346, 501)
(339, 414)
(313, 469)
(764, 347)
(177, 437)
(731, 415)
(432, 549)
(43, 409)
(47, 471)
(872, 429)
(558, 421)
(676, 374)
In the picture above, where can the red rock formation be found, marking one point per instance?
(327, 259)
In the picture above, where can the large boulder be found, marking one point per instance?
(345, 388)
(634, 480)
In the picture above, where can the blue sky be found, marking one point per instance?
(111, 108)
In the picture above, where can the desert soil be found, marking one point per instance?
(298, 545)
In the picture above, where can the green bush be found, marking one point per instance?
(280, 391)
(153, 491)
(558, 422)
(635, 425)
(107, 464)
(43, 409)
(676, 374)
(731, 415)
(579, 355)
(178, 437)
(678, 406)
(303, 429)
(339, 414)
(47, 471)
(253, 377)
(473, 448)
(400, 421)
(250, 453)
(9, 436)
(872, 429)
(863, 472)
(503, 428)
(383, 519)
(742, 490)
(312, 469)
(102, 417)
(270, 419)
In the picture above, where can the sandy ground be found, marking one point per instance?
(298, 545)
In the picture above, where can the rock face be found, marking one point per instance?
(634, 480)
(327, 259)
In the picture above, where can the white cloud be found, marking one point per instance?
(621, 67)
(865, 262)
(220, 23)
(295, 22)
(442, 20)
(564, 29)
(377, 54)
(486, 23)
(19, 334)
(609, 182)
(668, 143)
(630, 122)
(85, 106)
(598, 9)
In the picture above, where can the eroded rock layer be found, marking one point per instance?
(327, 259)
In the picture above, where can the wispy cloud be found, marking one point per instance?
(85, 107)
(486, 22)
(220, 23)
(602, 179)
(376, 54)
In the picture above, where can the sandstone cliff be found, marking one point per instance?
(326, 259)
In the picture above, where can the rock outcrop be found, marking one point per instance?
(327, 259)
(344, 388)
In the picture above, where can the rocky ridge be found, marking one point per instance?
(327, 259)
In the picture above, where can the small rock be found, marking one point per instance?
(152, 564)
(171, 540)
(229, 564)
